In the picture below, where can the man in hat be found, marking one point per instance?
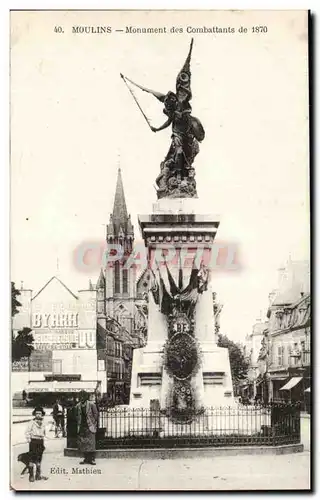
(58, 416)
(87, 423)
(35, 435)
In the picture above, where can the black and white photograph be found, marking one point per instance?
(160, 250)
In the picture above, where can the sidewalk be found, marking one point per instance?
(26, 411)
(305, 431)
(222, 473)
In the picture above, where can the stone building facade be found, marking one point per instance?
(252, 388)
(122, 308)
(64, 360)
(285, 354)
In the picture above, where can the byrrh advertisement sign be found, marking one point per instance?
(61, 331)
(59, 320)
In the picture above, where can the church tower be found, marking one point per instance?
(116, 286)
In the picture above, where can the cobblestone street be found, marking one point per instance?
(262, 472)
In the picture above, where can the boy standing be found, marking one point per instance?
(35, 435)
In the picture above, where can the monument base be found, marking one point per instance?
(149, 379)
(179, 230)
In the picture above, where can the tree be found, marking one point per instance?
(22, 344)
(239, 364)
(14, 301)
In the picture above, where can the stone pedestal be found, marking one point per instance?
(177, 230)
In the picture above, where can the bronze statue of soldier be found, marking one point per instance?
(176, 178)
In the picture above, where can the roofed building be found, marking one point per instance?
(287, 346)
(121, 300)
(64, 360)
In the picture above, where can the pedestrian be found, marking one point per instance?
(58, 417)
(87, 422)
(35, 435)
(72, 421)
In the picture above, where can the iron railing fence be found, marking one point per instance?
(274, 424)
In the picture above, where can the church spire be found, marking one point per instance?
(120, 225)
(119, 214)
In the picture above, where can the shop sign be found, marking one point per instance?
(41, 361)
(20, 366)
(59, 389)
(75, 339)
(52, 321)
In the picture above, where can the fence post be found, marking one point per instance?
(298, 422)
(274, 422)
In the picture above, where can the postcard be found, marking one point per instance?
(160, 250)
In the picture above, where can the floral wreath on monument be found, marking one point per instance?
(181, 351)
(182, 360)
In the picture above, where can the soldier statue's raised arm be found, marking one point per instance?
(176, 178)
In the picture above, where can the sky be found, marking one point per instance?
(74, 122)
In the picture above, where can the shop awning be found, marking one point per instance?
(39, 387)
(55, 386)
(308, 390)
(292, 383)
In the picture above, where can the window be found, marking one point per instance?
(57, 366)
(125, 280)
(110, 346)
(295, 352)
(117, 277)
(305, 352)
(280, 355)
(118, 369)
(118, 349)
